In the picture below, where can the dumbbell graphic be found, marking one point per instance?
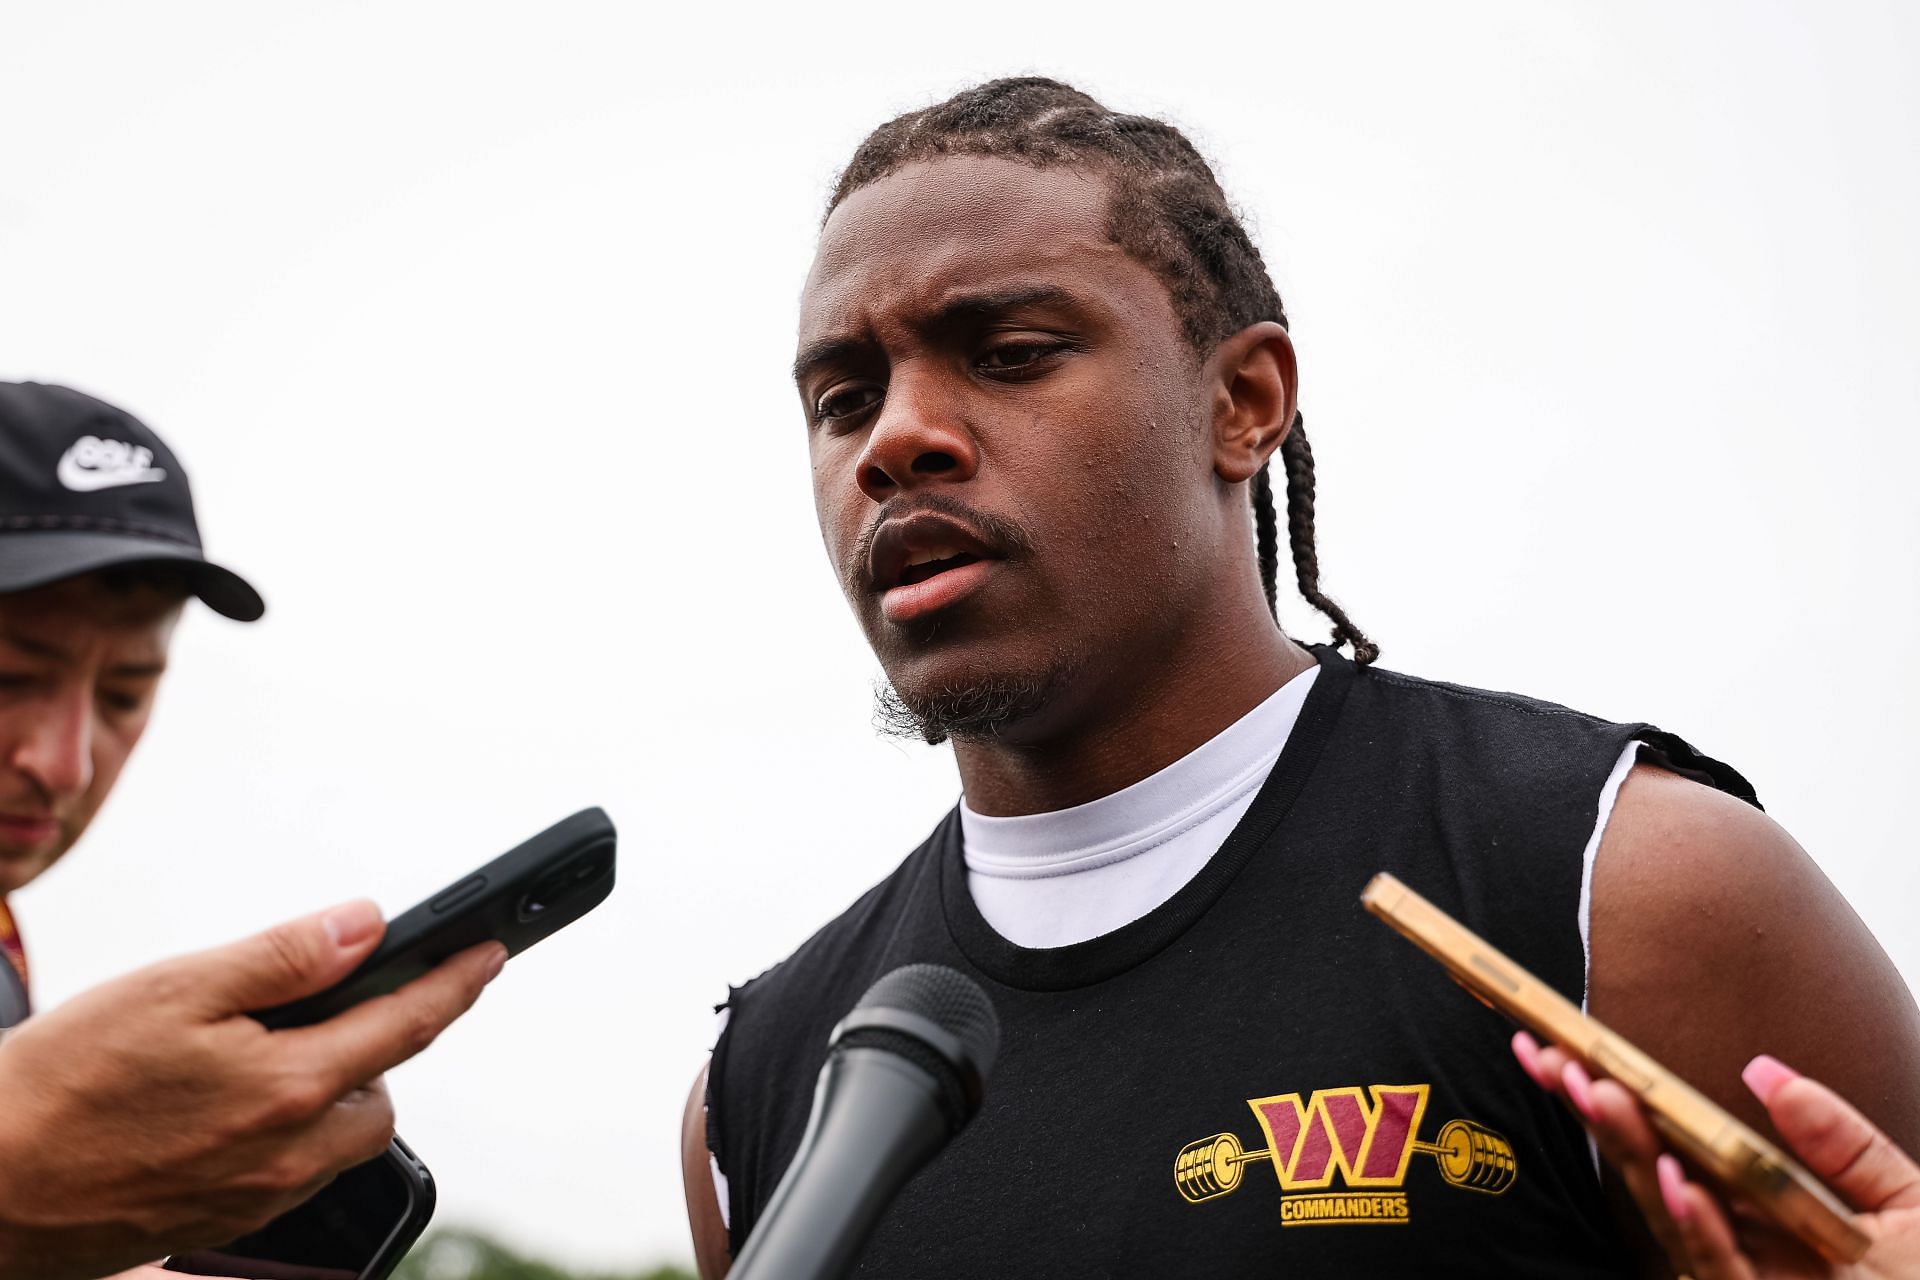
(1469, 1155)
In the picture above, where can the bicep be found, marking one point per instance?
(1716, 938)
(696, 1175)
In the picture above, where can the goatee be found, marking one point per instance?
(980, 709)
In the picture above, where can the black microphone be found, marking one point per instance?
(903, 1075)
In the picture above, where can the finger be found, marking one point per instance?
(1835, 1140)
(1711, 1249)
(351, 1132)
(1527, 1050)
(284, 963)
(1620, 1124)
(1627, 1141)
(354, 1130)
(274, 1172)
(1553, 1062)
(1620, 1131)
(1619, 1127)
(380, 1034)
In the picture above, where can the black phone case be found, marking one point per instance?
(421, 1198)
(419, 1209)
(519, 898)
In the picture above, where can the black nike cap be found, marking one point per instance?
(86, 486)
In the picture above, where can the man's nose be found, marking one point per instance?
(57, 751)
(920, 437)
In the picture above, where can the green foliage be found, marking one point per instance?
(468, 1255)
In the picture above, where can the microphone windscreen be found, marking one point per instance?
(937, 1018)
(945, 997)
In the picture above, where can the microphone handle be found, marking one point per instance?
(875, 1121)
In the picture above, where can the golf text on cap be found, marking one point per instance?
(93, 463)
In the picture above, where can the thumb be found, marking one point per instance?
(284, 963)
(1836, 1142)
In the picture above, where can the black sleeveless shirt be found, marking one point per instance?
(1256, 1078)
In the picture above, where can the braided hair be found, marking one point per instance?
(1167, 211)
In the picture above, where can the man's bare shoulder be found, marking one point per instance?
(1715, 937)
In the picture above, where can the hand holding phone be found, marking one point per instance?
(1698, 1232)
(360, 1225)
(235, 1125)
(1730, 1152)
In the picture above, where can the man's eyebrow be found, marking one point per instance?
(955, 312)
(35, 647)
(974, 307)
(826, 351)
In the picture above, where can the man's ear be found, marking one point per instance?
(1256, 393)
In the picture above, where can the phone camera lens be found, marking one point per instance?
(561, 881)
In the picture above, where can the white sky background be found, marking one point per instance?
(471, 324)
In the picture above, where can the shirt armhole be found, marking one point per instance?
(1608, 794)
(713, 1157)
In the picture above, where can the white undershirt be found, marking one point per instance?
(1055, 879)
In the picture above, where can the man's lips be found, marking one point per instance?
(905, 603)
(24, 831)
(926, 561)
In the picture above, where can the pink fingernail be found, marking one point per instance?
(350, 922)
(1765, 1074)
(1580, 1089)
(1673, 1187)
(1527, 1050)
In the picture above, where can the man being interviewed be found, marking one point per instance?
(1045, 372)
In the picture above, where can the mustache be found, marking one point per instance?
(1007, 539)
(33, 798)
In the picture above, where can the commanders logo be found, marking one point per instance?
(1369, 1145)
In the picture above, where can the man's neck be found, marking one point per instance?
(1131, 727)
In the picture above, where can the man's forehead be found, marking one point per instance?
(80, 612)
(932, 231)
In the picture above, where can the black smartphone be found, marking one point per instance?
(519, 898)
(357, 1228)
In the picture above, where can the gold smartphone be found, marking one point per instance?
(1732, 1153)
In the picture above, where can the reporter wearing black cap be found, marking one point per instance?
(150, 1114)
(98, 547)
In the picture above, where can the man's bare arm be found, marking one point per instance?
(1716, 938)
(703, 1208)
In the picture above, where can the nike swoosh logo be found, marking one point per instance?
(84, 479)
